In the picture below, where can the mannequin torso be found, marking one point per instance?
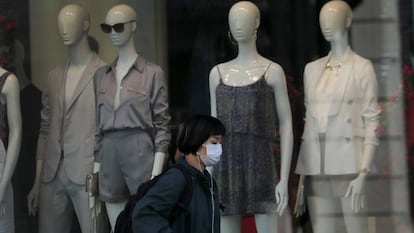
(9, 149)
(235, 73)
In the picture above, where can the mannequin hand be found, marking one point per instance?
(300, 206)
(96, 167)
(281, 196)
(356, 190)
(3, 198)
(159, 158)
(33, 199)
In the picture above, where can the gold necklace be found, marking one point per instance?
(330, 66)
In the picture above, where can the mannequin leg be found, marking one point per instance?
(230, 224)
(7, 220)
(266, 223)
(323, 213)
(55, 208)
(354, 222)
(113, 209)
(80, 201)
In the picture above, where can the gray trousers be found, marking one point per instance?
(59, 200)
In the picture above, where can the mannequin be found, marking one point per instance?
(10, 105)
(10, 127)
(238, 78)
(132, 103)
(339, 138)
(66, 139)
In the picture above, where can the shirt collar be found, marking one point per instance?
(138, 64)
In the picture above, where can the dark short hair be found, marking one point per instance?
(194, 131)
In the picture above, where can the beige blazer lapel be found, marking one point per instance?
(86, 78)
(61, 83)
(315, 75)
(342, 84)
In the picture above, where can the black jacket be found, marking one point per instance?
(152, 213)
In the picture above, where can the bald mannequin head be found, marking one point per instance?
(73, 23)
(244, 19)
(121, 14)
(335, 18)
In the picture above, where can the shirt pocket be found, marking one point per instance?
(137, 94)
(102, 97)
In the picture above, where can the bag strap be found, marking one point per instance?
(187, 193)
(185, 198)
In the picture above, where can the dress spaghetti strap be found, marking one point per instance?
(219, 72)
(3, 79)
(265, 73)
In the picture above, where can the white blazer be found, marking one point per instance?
(353, 117)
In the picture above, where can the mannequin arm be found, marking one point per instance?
(160, 113)
(356, 189)
(214, 79)
(277, 80)
(159, 159)
(33, 197)
(370, 114)
(11, 92)
(161, 119)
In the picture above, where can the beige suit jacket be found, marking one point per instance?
(72, 131)
(353, 117)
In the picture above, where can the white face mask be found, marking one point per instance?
(213, 154)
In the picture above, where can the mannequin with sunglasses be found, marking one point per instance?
(66, 140)
(248, 94)
(133, 116)
(339, 138)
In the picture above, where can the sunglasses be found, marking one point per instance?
(119, 27)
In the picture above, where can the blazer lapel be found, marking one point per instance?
(314, 77)
(62, 85)
(342, 84)
(85, 79)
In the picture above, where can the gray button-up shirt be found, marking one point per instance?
(143, 102)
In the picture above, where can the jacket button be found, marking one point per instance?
(349, 120)
(347, 139)
(349, 101)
